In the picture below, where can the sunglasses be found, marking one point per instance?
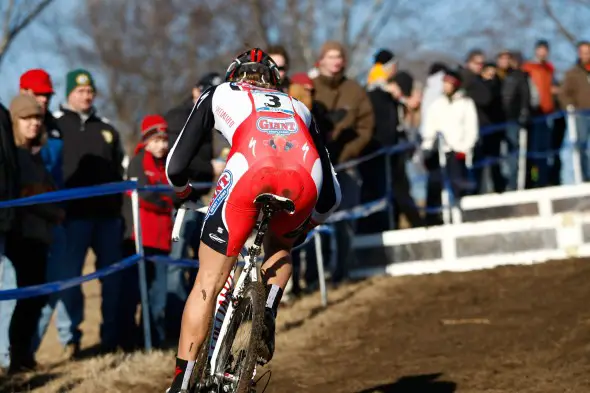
(282, 68)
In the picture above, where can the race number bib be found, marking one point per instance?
(272, 101)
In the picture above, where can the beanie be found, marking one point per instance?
(24, 105)
(152, 125)
(332, 45)
(384, 56)
(77, 78)
(36, 80)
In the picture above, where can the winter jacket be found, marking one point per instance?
(494, 111)
(200, 167)
(349, 109)
(35, 221)
(432, 91)
(155, 208)
(576, 88)
(516, 96)
(542, 75)
(92, 155)
(476, 89)
(456, 118)
(52, 151)
(9, 169)
(385, 109)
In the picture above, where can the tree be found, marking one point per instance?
(16, 18)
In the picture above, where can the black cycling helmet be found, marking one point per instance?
(254, 65)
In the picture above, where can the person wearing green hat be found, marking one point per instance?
(92, 155)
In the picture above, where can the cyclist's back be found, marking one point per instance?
(275, 147)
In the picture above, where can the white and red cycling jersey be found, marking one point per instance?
(275, 148)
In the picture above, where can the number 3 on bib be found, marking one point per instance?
(265, 101)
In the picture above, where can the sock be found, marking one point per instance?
(182, 374)
(274, 295)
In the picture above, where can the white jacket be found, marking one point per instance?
(456, 119)
(432, 91)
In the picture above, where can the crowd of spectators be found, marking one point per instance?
(42, 151)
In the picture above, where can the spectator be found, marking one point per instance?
(37, 83)
(92, 155)
(433, 88)
(386, 97)
(486, 97)
(155, 214)
(503, 62)
(279, 55)
(9, 189)
(575, 94)
(542, 73)
(385, 67)
(349, 109)
(28, 242)
(454, 115)
(516, 101)
(203, 168)
(302, 88)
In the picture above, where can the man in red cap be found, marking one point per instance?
(37, 82)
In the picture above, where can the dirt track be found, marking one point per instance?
(512, 329)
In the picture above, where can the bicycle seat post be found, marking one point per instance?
(267, 212)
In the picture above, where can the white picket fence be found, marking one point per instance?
(521, 227)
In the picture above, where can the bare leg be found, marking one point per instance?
(277, 266)
(213, 272)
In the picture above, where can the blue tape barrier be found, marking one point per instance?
(56, 286)
(72, 193)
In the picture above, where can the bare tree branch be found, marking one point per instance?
(347, 6)
(366, 26)
(562, 29)
(11, 31)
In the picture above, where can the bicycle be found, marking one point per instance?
(218, 368)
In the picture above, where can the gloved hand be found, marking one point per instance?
(188, 195)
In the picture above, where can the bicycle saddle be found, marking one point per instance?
(275, 202)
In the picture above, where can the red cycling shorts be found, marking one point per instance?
(284, 164)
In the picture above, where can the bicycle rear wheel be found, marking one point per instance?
(198, 378)
(238, 352)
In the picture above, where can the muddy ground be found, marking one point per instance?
(517, 329)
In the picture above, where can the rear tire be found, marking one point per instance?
(249, 311)
(198, 376)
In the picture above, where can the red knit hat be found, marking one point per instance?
(152, 125)
(36, 80)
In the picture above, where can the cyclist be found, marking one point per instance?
(275, 148)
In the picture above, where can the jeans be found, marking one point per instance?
(7, 281)
(131, 335)
(583, 130)
(55, 263)
(512, 137)
(539, 145)
(178, 285)
(104, 235)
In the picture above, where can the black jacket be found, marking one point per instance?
(494, 111)
(9, 171)
(92, 155)
(516, 96)
(200, 167)
(386, 112)
(479, 92)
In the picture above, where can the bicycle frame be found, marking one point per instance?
(230, 293)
